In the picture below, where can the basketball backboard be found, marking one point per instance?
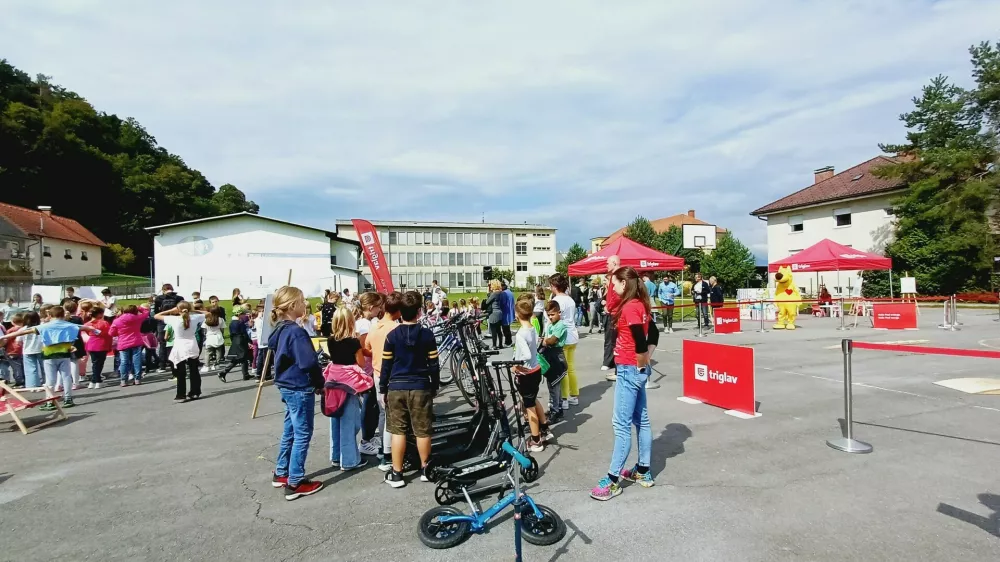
(699, 236)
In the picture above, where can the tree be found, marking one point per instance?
(531, 281)
(503, 275)
(641, 231)
(575, 254)
(229, 200)
(121, 256)
(731, 263)
(671, 242)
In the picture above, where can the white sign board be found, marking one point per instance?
(51, 294)
(908, 285)
(265, 320)
(699, 236)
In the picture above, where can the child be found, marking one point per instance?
(374, 345)
(410, 378)
(474, 311)
(298, 378)
(553, 342)
(539, 310)
(239, 347)
(15, 351)
(529, 375)
(559, 284)
(214, 340)
(98, 346)
(79, 353)
(370, 308)
(58, 337)
(345, 371)
(631, 317)
(31, 351)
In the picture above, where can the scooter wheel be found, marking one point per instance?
(444, 495)
(550, 529)
(530, 474)
(436, 534)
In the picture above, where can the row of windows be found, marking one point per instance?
(841, 216)
(424, 259)
(67, 254)
(446, 238)
(523, 265)
(446, 280)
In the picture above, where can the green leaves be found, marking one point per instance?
(731, 262)
(641, 231)
(575, 254)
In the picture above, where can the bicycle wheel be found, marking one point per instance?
(466, 384)
(550, 529)
(447, 370)
(436, 534)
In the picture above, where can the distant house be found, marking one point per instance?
(659, 225)
(41, 246)
(853, 208)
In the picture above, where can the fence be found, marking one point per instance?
(20, 291)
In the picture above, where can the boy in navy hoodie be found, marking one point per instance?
(409, 381)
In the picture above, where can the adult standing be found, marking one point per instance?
(493, 309)
(716, 298)
(71, 294)
(667, 291)
(559, 284)
(437, 295)
(110, 305)
(585, 296)
(167, 300)
(508, 314)
(611, 300)
(326, 313)
(651, 291)
(700, 292)
(596, 307)
(184, 354)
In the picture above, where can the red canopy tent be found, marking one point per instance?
(827, 255)
(632, 254)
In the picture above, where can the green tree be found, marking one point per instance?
(504, 275)
(731, 263)
(121, 256)
(671, 242)
(229, 200)
(641, 231)
(575, 254)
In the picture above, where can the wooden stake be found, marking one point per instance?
(263, 380)
(289, 278)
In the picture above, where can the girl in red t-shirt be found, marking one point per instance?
(631, 318)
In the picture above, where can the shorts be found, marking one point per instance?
(408, 410)
(527, 386)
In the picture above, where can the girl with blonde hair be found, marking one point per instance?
(184, 353)
(298, 377)
(346, 362)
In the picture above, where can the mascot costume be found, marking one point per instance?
(787, 296)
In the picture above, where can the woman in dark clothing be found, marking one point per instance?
(326, 313)
(239, 347)
(494, 313)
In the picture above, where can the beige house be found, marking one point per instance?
(41, 246)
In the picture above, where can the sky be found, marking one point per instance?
(576, 114)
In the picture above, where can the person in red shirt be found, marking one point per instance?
(98, 345)
(631, 318)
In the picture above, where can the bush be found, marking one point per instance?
(978, 297)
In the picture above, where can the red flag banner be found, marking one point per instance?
(373, 255)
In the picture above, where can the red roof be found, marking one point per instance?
(852, 182)
(36, 223)
(827, 255)
(663, 225)
(631, 253)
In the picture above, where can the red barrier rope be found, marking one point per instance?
(927, 350)
(731, 304)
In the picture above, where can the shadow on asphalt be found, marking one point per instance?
(969, 439)
(243, 388)
(5, 476)
(123, 395)
(990, 524)
(564, 547)
(668, 445)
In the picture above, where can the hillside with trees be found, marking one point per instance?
(105, 171)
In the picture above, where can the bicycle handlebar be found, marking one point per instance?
(521, 459)
(507, 363)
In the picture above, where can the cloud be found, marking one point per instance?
(580, 114)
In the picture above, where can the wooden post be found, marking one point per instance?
(289, 277)
(263, 380)
(200, 279)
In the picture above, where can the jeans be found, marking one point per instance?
(97, 359)
(216, 355)
(130, 360)
(15, 366)
(344, 434)
(369, 415)
(34, 370)
(191, 366)
(300, 406)
(57, 371)
(702, 313)
(630, 409)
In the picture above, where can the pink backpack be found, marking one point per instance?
(342, 381)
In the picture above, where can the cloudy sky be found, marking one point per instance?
(579, 114)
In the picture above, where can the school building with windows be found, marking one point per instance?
(454, 253)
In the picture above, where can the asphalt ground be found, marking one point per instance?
(133, 476)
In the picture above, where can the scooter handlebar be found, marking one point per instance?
(521, 459)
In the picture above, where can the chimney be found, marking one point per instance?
(691, 213)
(823, 174)
(46, 210)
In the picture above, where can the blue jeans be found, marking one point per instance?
(630, 409)
(130, 360)
(34, 371)
(344, 434)
(14, 364)
(300, 406)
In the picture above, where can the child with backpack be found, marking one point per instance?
(555, 358)
(345, 383)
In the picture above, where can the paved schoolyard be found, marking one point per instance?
(133, 476)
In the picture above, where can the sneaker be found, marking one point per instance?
(97, 385)
(304, 488)
(58, 388)
(574, 400)
(385, 465)
(604, 367)
(565, 404)
(644, 480)
(204, 370)
(368, 448)
(605, 490)
(547, 435)
(555, 417)
(67, 403)
(425, 475)
(278, 481)
(395, 479)
(535, 446)
(137, 382)
(46, 407)
(90, 386)
(670, 330)
(362, 464)
(335, 464)
(611, 377)
(124, 384)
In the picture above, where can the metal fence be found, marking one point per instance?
(20, 291)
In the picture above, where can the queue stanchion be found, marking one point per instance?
(954, 311)
(997, 319)
(946, 318)
(699, 317)
(848, 444)
(843, 312)
(760, 311)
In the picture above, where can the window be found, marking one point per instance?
(418, 238)
(521, 235)
(468, 279)
(68, 255)
(468, 258)
(459, 239)
(451, 238)
(842, 216)
(521, 266)
(541, 249)
(451, 280)
(420, 279)
(47, 252)
(541, 234)
(420, 259)
(427, 258)
(410, 259)
(83, 256)
(393, 237)
(795, 223)
(436, 259)
(482, 238)
(498, 260)
(543, 263)
(412, 277)
(451, 258)
(482, 259)
(506, 240)
(489, 239)
(460, 258)
(444, 258)
(393, 259)
(490, 258)
(475, 259)
(506, 259)
(436, 238)
(521, 248)
(468, 238)
(383, 236)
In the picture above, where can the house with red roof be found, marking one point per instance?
(39, 245)
(659, 226)
(853, 208)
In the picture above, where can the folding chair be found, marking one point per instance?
(12, 402)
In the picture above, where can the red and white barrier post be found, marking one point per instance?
(848, 444)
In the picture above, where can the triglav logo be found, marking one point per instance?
(367, 239)
(723, 321)
(703, 373)
(852, 256)
(798, 266)
(644, 263)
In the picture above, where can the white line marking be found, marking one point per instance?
(984, 344)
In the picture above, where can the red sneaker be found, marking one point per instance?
(305, 488)
(278, 481)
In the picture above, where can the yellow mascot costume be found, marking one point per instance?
(786, 291)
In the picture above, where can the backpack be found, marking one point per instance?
(148, 325)
(333, 398)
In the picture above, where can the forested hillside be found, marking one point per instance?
(105, 171)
